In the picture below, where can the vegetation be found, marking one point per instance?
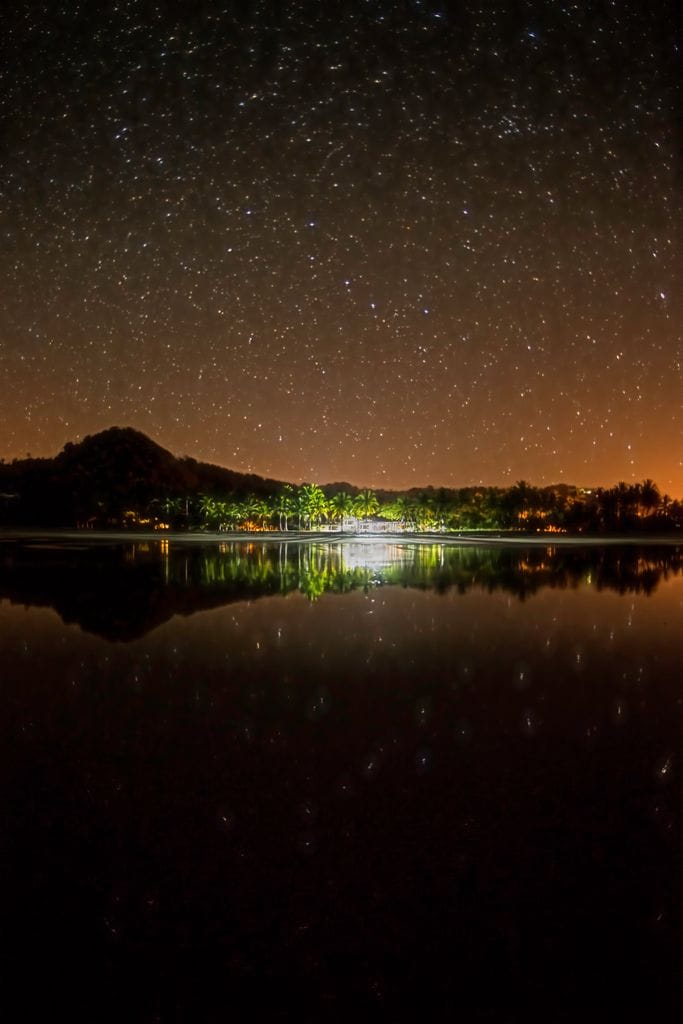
(120, 478)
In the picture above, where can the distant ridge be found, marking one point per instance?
(121, 478)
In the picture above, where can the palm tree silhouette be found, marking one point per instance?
(650, 497)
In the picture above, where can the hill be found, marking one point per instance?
(98, 479)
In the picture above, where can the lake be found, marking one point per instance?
(331, 774)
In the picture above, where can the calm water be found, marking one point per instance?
(322, 775)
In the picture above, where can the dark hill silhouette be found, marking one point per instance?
(97, 479)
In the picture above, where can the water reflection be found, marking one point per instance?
(121, 591)
(423, 782)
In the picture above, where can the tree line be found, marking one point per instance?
(120, 477)
(522, 507)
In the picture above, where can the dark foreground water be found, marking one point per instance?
(308, 778)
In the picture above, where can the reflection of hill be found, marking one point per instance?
(121, 592)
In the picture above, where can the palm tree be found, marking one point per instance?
(391, 511)
(208, 510)
(366, 504)
(519, 502)
(251, 508)
(341, 505)
(311, 504)
(170, 507)
(263, 509)
(424, 512)
(405, 510)
(232, 513)
(650, 496)
(628, 498)
(441, 509)
(222, 512)
(285, 505)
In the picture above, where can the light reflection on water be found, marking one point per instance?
(120, 591)
(348, 769)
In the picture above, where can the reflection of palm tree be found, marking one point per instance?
(238, 571)
(313, 572)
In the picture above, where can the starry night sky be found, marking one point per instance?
(395, 243)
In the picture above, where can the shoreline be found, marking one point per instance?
(472, 539)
